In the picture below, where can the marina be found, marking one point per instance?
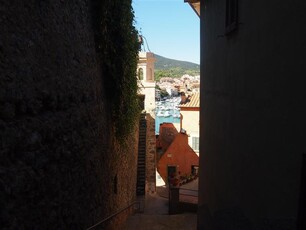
(167, 111)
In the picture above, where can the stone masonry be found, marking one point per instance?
(151, 155)
(60, 167)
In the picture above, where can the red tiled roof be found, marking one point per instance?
(193, 101)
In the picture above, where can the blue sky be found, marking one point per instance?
(171, 27)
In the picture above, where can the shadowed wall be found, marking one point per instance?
(252, 115)
(60, 166)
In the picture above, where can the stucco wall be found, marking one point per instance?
(148, 89)
(191, 123)
(253, 118)
(58, 160)
(179, 154)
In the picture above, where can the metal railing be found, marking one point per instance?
(188, 194)
(194, 190)
(115, 214)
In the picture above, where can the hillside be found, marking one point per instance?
(166, 63)
(166, 67)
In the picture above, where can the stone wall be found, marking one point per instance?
(150, 155)
(60, 168)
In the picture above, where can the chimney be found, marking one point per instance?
(183, 98)
(184, 136)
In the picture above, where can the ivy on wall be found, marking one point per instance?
(117, 45)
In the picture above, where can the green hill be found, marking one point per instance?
(166, 63)
(166, 67)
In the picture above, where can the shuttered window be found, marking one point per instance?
(196, 143)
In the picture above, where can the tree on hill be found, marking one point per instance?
(165, 67)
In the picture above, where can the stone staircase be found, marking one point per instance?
(141, 168)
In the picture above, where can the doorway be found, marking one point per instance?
(171, 170)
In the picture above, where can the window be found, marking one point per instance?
(140, 74)
(196, 143)
(231, 16)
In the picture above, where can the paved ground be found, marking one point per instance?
(155, 212)
(189, 192)
(155, 217)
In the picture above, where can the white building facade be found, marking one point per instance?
(146, 80)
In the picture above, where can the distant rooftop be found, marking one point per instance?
(195, 4)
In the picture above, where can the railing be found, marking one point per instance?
(188, 194)
(188, 200)
(115, 214)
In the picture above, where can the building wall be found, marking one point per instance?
(253, 118)
(150, 155)
(146, 62)
(177, 126)
(179, 154)
(167, 134)
(60, 167)
(148, 89)
(147, 85)
(191, 123)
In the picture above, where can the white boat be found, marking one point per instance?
(167, 114)
(160, 113)
(158, 103)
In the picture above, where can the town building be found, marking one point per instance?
(253, 122)
(186, 83)
(175, 154)
(190, 118)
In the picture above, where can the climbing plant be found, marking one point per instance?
(117, 45)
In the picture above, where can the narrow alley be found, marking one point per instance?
(155, 215)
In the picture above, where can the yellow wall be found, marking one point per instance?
(190, 122)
